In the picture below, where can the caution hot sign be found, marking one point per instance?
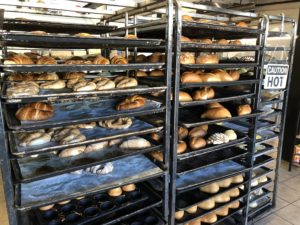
(276, 76)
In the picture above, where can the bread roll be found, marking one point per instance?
(181, 147)
(136, 143)
(185, 39)
(187, 58)
(84, 86)
(197, 143)
(46, 207)
(21, 77)
(83, 35)
(211, 188)
(47, 76)
(254, 183)
(210, 77)
(131, 36)
(209, 218)
(203, 94)
(242, 24)
(234, 205)
(132, 102)
(224, 76)
(234, 193)
(119, 123)
(96, 147)
(118, 60)
(238, 179)
(207, 204)
(46, 60)
(141, 73)
(156, 137)
(126, 83)
(115, 192)
(69, 152)
(156, 57)
(187, 18)
(100, 60)
(157, 73)
(214, 105)
(207, 59)
(262, 179)
(235, 42)
(103, 83)
(38, 32)
(225, 183)
(57, 84)
(18, 59)
(223, 42)
(35, 111)
(206, 41)
(231, 135)
(235, 74)
(216, 113)
(129, 187)
(197, 132)
(179, 215)
(182, 133)
(223, 211)
(194, 222)
(222, 198)
(190, 77)
(184, 97)
(141, 58)
(192, 209)
(73, 75)
(157, 155)
(64, 202)
(244, 110)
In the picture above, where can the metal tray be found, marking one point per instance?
(205, 176)
(262, 160)
(261, 171)
(84, 111)
(97, 134)
(49, 165)
(272, 102)
(266, 114)
(261, 185)
(267, 135)
(212, 148)
(194, 46)
(268, 149)
(128, 170)
(263, 208)
(195, 196)
(190, 117)
(200, 213)
(82, 67)
(219, 66)
(89, 204)
(30, 25)
(67, 41)
(208, 159)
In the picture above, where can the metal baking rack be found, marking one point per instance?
(225, 165)
(17, 162)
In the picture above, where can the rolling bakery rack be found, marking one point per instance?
(35, 176)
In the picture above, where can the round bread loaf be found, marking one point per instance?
(182, 133)
(244, 110)
(235, 74)
(222, 198)
(223, 211)
(35, 111)
(190, 77)
(115, 192)
(210, 77)
(181, 147)
(211, 188)
(179, 215)
(129, 187)
(197, 132)
(192, 209)
(225, 183)
(197, 143)
(132, 102)
(187, 58)
(157, 73)
(207, 204)
(203, 94)
(184, 97)
(216, 113)
(209, 218)
(207, 59)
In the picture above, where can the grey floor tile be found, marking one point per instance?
(296, 203)
(280, 203)
(287, 194)
(290, 213)
(272, 220)
(293, 183)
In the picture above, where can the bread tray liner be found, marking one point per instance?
(91, 134)
(66, 186)
(83, 110)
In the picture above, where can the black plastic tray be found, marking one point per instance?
(82, 67)
(205, 176)
(262, 160)
(84, 111)
(48, 165)
(67, 41)
(220, 65)
(262, 185)
(97, 134)
(261, 171)
(148, 217)
(128, 170)
(212, 148)
(276, 112)
(194, 46)
(267, 135)
(92, 203)
(262, 209)
(268, 149)
(206, 160)
(272, 102)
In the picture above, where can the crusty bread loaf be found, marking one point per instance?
(46, 60)
(181, 147)
(18, 59)
(187, 58)
(132, 102)
(35, 111)
(207, 59)
(203, 94)
(197, 132)
(100, 60)
(197, 143)
(244, 110)
(224, 76)
(216, 113)
(126, 83)
(184, 97)
(182, 133)
(190, 77)
(118, 60)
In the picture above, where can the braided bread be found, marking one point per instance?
(35, 111)
(46, 60)
(118, 60)
(101, 60)
(132, 102)
(18, 59)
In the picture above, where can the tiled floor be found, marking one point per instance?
(287, 211)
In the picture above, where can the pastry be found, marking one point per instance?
(96, 147)
(182, 133)
(223, 42)
(187, 58)
(35, 138)
(207, 204)
(129, 188)
(184, 97)
(103, 83)
(223, 211)
(100, 60)
(234, 193)
(198, 132)
(118, 60)
(231, 135)
(235, 74)
(136, 143)
(69, 152)
(187, 18)
(25, 88)
(57, 84)
(209, 218)
(203, 94)
(35, 111)
(190, 77)
(157, 73)
(73, 75)
(141, 73)
(84, 86)
(179, 215)
(46, 207)
(238, 179)
(47, 76)
(210, 77)
(242, 24)
(211, 188)
(18, 59)
(126, 83)
(234, 205)
(207, 59)
(222, 198)
(181, 147)
(224, 76)
(197, 143)
(46, 60)
(115, 192)
(217, 139)
(216, 113)
(132, 102)
(192, 209)
(185, 39)
(119, 123)
(244, 110)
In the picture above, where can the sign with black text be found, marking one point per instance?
(276, 76)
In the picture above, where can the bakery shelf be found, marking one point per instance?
(70, 186)
(145, 200)
(206, 160)
(200, 213)
(267, 149)
(271, 102)
(97, 134)
(207, 175)
(262, 185)
(194, 46)
(195, 196)
(266, 136)
(275, 112)
(261, 172)
(82, 67)
(262, 210)
(31, 25)
(262, 160)
(67, 113)
(220, 65)
(67, 41)
(277, 48)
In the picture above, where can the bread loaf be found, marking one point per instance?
(238, 179)
(35, 111)
(179, 215)
(46, 207)
(242, 24)
(84, 86)
(126, 83)
(192, 209)
(216, 113)
(156, 57)
(136, 143)
(211, 188)
(235, 42)
(156, 137)
(190, 77)
(18, 59)
(103, 83)
(234, 193)
(187, 58)
(100, 60)
(129, 188)
(157, 155)
(141, 59)
(223, 211)
(132, 102)
(203, 94)
(222, 198)
(181, 147)
(209, 218)
(69, 152)
(198, 132)
(157, 73)
(141, 73)
(206, 41)
(207, 204)
(185, 39)
(57, 84)
(96, 147)
(38, 32)
(184, 97)
(118, 60)
(182, 133)
(223, 42)
(46, 60)
(115, 192)
(225, 183)
(234, 205)
(214, 105)
(244, 110)
(20, 77)
(207, 59)
(235, 75)
(224, 76)
(197, 143)
(210, 77)
(187, 18)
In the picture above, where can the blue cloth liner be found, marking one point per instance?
(208, 173)
(66, 185)
(97, 132)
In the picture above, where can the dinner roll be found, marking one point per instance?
(209, 218)
(179, 215)
(207, 59)
(197, 143)
(207, 204)
(222, 198)
(192, 209)
(184, 97)
(211, 188)
(225, 183)
(181, 147)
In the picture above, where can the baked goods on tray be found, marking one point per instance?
(135, 143)
(132, 102)
(118, 60)
(57, 84)
(18, 59)
(244, 110)
(35, 111)
(119, 123)
(207, 59)
(25, 88)
(216, 112)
